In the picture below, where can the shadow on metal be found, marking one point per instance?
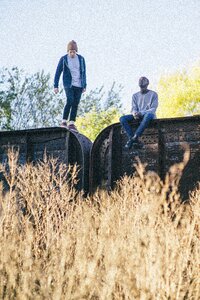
(164, 146)
(60, 143)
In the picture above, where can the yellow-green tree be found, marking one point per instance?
(179, 94)
(99, 109)
(93, 122)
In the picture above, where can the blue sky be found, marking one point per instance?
(121, 40)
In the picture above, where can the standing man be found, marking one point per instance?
(144, 105)
(74, 81)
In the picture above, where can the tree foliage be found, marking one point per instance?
(98, 100)
(99, 109)
(27, 101)
(93, 122)
(179, 93)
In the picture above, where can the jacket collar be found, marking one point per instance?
(66, 61)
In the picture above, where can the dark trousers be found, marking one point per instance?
(144, 123)
(73, 95)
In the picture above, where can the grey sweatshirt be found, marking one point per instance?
(145, 103)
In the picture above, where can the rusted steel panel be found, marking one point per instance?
(174, 134)
(109, 160)
(164, 140)
(67, 147)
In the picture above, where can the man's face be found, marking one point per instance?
(72, 53)
(143, 84)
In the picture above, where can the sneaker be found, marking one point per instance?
(138, 145)
(133, 142)
(64, 125)
(130, 143)
(72, 127)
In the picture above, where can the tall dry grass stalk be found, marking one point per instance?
(136, 242)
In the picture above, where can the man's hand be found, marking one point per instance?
(137, 115)
(56, 90)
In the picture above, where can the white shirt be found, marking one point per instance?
(74, 66)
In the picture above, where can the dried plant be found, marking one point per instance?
(138, 241)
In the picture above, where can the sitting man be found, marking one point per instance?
(144, 105)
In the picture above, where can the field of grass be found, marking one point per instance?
(136, 242)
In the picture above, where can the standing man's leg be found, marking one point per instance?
(76, 100)
(70, 97)
(74, 107)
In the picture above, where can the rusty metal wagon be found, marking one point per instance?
(66, 146)
(105, 161)
(164, 141)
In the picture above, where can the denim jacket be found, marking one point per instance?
(67, 77)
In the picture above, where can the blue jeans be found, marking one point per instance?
(144, 122)
(73, 95)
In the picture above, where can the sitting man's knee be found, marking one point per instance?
(149, 115)
(121, 119)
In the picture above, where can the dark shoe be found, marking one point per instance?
(138, 145)
(130, 143)
(64, 125)
(133, 142)
(72, 127)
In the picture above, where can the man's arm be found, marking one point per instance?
(57, 74)
(84, 75)
(136, 114)
(134, 109)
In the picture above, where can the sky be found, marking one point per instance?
(120, 40)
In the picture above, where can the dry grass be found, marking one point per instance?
(137, 242)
